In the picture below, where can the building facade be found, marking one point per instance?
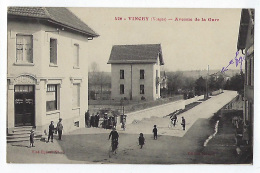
(246, 45)
(46, 74)
(135, 71)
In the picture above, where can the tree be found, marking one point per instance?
(96, 80)
(200, 86)
(236, 83)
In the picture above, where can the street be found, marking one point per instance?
(173, 146)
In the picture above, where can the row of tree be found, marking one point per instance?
(177, 83)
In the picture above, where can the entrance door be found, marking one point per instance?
(24, 105)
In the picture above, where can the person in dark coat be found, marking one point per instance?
(59, 128)
(141, 140)
(87, 117)
(155, 132)
(51, 131)
(32, 138)
(174, 120)
(105, 121)
(92, 120)
(96, 119)
(183, 123)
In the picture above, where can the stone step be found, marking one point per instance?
(23, 128)
(22, 136)
(21, 139)
(23, 133)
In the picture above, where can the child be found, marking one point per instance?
(183, 123)
(154, 132)
(141, 140)
(32, 138)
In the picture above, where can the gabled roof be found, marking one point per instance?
(142, 53)
(55, 15)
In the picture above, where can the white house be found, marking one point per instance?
(135, 71)
(47, 75)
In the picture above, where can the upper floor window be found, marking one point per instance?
(24, 49)
(157, 81)
(53, 51)
(76, 55)
(141, 74)
(122, 74)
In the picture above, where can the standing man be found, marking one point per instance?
(154, 132)
(87, 117)
(51, 131)
(59, 128)
(92, 120)
(183, 123)
(97, 119)
(174, 119)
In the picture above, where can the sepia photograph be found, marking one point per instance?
(106, 85)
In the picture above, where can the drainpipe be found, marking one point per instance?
(131, 92)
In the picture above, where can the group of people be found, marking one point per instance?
(93, 120)
(174, 120)
(52, 129)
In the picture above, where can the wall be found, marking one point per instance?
(148, 81)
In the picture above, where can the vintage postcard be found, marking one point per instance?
(130, 85)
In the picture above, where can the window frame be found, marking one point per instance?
(23, 50)
(76, 56)
(78, 96)
(55, 54)
(141, 73)
(56, 101)
(142, 89)
(122, 74)
(122, 89)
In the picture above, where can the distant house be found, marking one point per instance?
(46, 79)
(163, 82)
(135, 71)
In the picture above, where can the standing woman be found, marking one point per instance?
(60, 128)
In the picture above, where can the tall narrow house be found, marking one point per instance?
(135, 71)
(46, 74)
(246, 45)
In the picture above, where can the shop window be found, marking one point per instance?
(52, 98)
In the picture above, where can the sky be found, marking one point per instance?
(186, 45)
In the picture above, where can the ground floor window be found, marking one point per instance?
(76, 95)
(52, 98)
(122, 89)
(141, 89)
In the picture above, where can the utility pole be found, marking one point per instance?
(207, 95)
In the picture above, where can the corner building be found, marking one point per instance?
(46, 74)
